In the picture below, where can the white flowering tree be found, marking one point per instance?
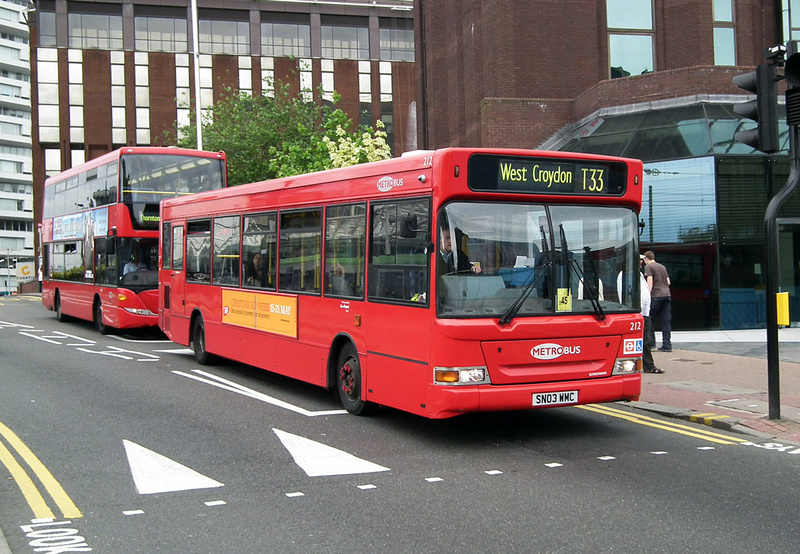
(282, 134)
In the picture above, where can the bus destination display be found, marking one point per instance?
(545, 176)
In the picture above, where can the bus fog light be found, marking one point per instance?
(627, 366)
(460, 375)
(474, 375)
(139, 311)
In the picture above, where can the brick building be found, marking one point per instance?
(111, 73)
(648, 79)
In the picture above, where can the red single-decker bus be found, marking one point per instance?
(439, 283)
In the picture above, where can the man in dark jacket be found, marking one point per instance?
(452, 263)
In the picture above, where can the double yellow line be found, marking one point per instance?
(29, 489)
(709, 436)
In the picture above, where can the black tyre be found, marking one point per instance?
(98, 319)
(59, 314)
(199, 341)
(349, 382)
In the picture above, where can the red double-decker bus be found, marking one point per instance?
(100, 229)
(438, 283)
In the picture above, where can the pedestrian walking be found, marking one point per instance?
(647, 355)
(660, 300)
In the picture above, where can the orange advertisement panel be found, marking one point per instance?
(262, 311)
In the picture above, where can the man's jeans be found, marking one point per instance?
(661, 311)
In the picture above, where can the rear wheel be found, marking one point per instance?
(98, 319)
(199, 342)
(59, 314)
(349, 382)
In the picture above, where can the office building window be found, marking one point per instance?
(160, 33)
(396, 40)
(724, 33)
(791, 19)
(630, 37)
(93, 30)
(224, 37)
(345, 38)
(47, 28)
(286, 39)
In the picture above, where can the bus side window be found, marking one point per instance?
(198, 251)
(226, 250)
(398, 265)
(345, 235)
(300, 251)
(166, 246)
(259, 255)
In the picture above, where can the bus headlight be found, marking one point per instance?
(139, 312)
(461, 375)
(627, 366)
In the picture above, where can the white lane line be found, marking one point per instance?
(224, 384)
(175, 351)
(37, 337)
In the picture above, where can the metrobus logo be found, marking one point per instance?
(385, 184)
(551, 351)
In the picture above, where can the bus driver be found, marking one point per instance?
(447, 265)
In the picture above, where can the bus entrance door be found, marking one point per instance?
(173, 286)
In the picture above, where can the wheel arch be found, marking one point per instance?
(339, 342)
(196, 314)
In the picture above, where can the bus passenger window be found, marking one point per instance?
(345, 236)
(259, 255)
(226, 250)
(301, 251)
(198, 251)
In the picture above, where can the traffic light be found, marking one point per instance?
(763, 82)
(792, 73)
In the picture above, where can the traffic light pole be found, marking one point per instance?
(773, 273)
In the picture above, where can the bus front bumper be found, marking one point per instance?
(450, 401)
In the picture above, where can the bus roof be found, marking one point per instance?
(115, 154)
(413, 172)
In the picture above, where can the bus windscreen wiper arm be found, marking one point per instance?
(589, 290)
(517, 304)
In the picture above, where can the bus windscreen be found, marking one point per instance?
(150, 178)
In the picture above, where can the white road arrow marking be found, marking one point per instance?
(154, 473)
(318, 459)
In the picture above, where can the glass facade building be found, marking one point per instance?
(16, 181)
(704, 200)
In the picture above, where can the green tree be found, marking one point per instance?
(283, 134)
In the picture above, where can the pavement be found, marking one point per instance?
(719, 378)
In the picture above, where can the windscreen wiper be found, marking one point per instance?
(588, 289)
(514, 308)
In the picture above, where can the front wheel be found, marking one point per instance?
(349, 382)
(98, 319)
(199, 340)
